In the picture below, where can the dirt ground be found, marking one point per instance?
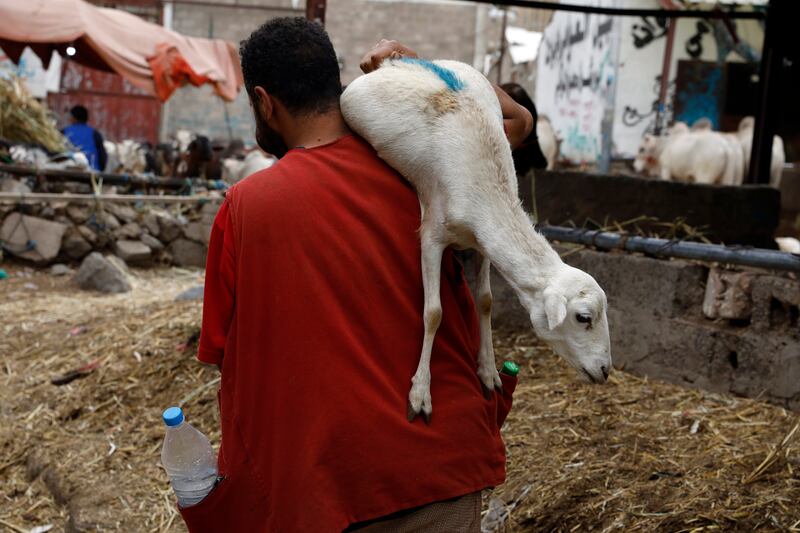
(634, 455)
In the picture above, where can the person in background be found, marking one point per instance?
(528, 155)
(85, 138)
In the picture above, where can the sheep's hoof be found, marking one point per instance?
(487, 392)
(412, 414)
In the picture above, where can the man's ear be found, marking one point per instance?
(555, 308)
(263, 103)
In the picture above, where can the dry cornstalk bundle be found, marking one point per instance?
(23, 119)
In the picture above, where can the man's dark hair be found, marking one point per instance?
(292, 59)
(80, 113)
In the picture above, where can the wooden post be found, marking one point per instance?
(665, 70)
(502, 47)
(315, 10)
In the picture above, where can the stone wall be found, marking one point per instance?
(746, 341)
(139, 233)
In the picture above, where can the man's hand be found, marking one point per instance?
(517, 121)
(384, 49)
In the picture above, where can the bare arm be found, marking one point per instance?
(517, 121)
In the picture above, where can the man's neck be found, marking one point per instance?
(316, 130)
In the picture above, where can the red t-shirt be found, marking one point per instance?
(313, 309)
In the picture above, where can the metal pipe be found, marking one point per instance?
(37, 197)
(626, 12)
(111, 179)
(754, 257)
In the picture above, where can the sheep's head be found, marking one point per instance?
(646, 160)
(570, 316)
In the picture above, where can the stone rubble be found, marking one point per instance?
(102, 274)
(132, 252)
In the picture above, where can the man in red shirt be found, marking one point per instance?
(313, 312)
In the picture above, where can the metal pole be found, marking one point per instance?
(665, 70)
(607, 124)
(35, 197)
(755, 257)
(110, 179)
(626, 12)
(769, 90)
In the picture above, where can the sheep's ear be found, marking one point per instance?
(555, 308)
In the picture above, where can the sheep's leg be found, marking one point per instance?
(487, 371)
(419, 399)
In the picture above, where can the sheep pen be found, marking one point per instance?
(635, 455)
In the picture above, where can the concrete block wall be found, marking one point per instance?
(658, 327)
(433, 29)
(197, 108)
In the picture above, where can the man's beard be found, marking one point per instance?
(268, 139)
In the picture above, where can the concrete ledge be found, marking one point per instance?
(658, 327)
(732, 215)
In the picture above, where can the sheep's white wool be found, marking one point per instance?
(439, 124)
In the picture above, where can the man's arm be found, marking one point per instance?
(218, 295)
(517, 121)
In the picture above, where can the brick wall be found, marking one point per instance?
(436, 30)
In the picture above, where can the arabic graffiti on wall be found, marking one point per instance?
(575, 79)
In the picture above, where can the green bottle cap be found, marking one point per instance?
(510, 368)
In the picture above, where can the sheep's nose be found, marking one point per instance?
(604, 369)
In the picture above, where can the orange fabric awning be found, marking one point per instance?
(150, 56)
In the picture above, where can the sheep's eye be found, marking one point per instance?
(583, 319)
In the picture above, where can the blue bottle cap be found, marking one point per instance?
(173, 416)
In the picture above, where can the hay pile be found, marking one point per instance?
(631, 456)
(24, 120)
(641, 455)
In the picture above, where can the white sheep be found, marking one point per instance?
(698, 156)
(439, 124)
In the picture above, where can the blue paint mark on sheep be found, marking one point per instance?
(449, 77)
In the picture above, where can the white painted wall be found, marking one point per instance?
(577, 113)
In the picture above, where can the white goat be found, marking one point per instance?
(439, 124)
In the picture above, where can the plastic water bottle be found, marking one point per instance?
(188, 458)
